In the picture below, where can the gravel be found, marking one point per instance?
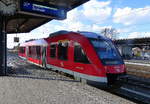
(29, 84)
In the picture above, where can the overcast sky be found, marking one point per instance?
(130, 17)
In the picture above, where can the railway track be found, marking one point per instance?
(135, 89)
(139, 69)
(138, 61)
(143, 83)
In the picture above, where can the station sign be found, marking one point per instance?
(42, 8)
(16, 39)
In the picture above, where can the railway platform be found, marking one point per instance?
(30, 84)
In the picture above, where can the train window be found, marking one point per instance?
(107, 52)
(53, 50)
(79, 54)
(38, 52)
(30, 52)
(22, 49)
(63, 50)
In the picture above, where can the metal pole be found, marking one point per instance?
(5, 44)
(3, 55)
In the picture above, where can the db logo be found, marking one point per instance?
(118, 70)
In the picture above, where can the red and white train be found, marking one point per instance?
(85, 55)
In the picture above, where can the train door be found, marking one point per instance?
(51, 56)
(62, 54)
(44, 57)
(27, 51)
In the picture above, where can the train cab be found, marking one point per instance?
(86, 55)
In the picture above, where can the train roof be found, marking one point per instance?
(39, 42)
(43, 42)
(92, 35)
(62, 32)
(84, 33)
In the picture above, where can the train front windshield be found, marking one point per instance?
(107, 52)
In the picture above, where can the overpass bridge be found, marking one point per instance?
(125, 45)
(134, 42)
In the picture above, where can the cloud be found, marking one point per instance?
(130, 16)
(134, 35)
(139, 34)
(92, 12)
(97, 11)
(126, 29)
(97, 28)
(83, 18)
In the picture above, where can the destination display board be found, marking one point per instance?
(43, 7)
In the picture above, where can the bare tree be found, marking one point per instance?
(110, 33)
